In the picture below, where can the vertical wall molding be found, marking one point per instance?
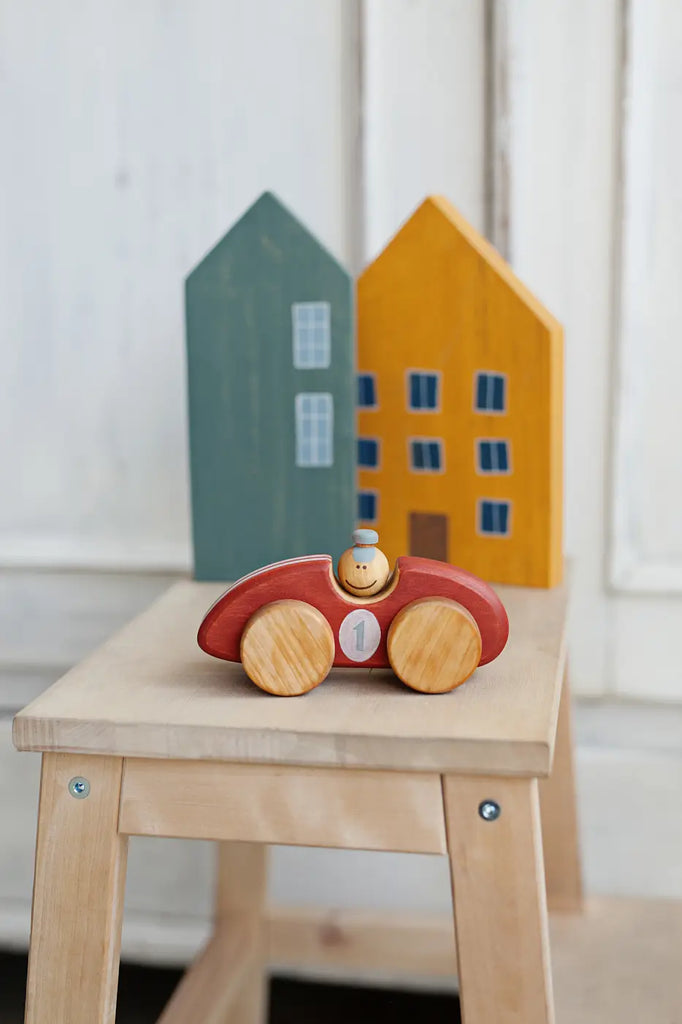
(631, 568)
(355, 31)
(498, 170)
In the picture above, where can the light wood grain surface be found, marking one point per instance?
(360, 810)
(151, 692)
(558, 808)
(210, 987)
(498, 894)
(77, 895)
(361, 943)
(287, 648)
(616, 962)
(241, 883)
(434, 645)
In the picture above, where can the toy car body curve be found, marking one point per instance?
(359, 625)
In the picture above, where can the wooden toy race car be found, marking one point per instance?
(289, 622)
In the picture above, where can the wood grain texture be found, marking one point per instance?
(211, 985)
(287, 648)
(362, 942)
(434, 645)
(440, 263)
(499, 901)
(77, 895)
(241, 884)
(618, 961)
(150, 692)
(560, 836)
(241, 880)
(358, 810)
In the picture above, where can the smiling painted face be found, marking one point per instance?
(363, 569)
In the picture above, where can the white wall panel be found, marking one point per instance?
(134, 134)
(647, 542)
(646, 539)
(563, 66)
(424, 110)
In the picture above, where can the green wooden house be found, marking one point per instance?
(271, 396)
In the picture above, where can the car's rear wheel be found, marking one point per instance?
(434, 644)
(287, 648)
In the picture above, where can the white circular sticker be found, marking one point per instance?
(359, 634)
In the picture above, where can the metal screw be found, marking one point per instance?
(79, 787)
(489, 810)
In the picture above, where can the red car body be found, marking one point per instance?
(311, 579)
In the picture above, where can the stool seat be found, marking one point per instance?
(150, 692)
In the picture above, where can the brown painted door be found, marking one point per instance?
(429, 535)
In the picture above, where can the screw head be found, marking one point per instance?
(489, 810)
(79, 787)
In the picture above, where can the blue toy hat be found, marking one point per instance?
(366, 538)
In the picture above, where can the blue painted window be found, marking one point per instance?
(494, 518)
(311, 335)
(422, 390)
(367, 506)
(368, 452)
(314, 429)
(426, 455)
(367, 391)
(490, 392)
(492, 456)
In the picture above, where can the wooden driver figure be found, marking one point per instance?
(363, 569)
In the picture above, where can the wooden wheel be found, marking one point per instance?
(434, 644)
(287, 648)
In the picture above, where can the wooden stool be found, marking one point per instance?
(149, 736)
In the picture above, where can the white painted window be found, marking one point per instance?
(311, 335)
(314, 429)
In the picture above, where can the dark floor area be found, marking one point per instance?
(144, 991)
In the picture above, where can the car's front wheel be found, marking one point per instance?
(287, 648)
(434, 644)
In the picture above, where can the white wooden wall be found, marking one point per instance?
(135, 133)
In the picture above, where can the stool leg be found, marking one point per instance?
(499, 901)
(240, 897)
(77, 894)
(559, 818)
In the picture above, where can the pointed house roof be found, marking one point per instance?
(444, 220)
(275, 219)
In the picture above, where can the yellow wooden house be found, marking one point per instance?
(460, 391)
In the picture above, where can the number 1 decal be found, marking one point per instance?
(359, 635)
(359, 630)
